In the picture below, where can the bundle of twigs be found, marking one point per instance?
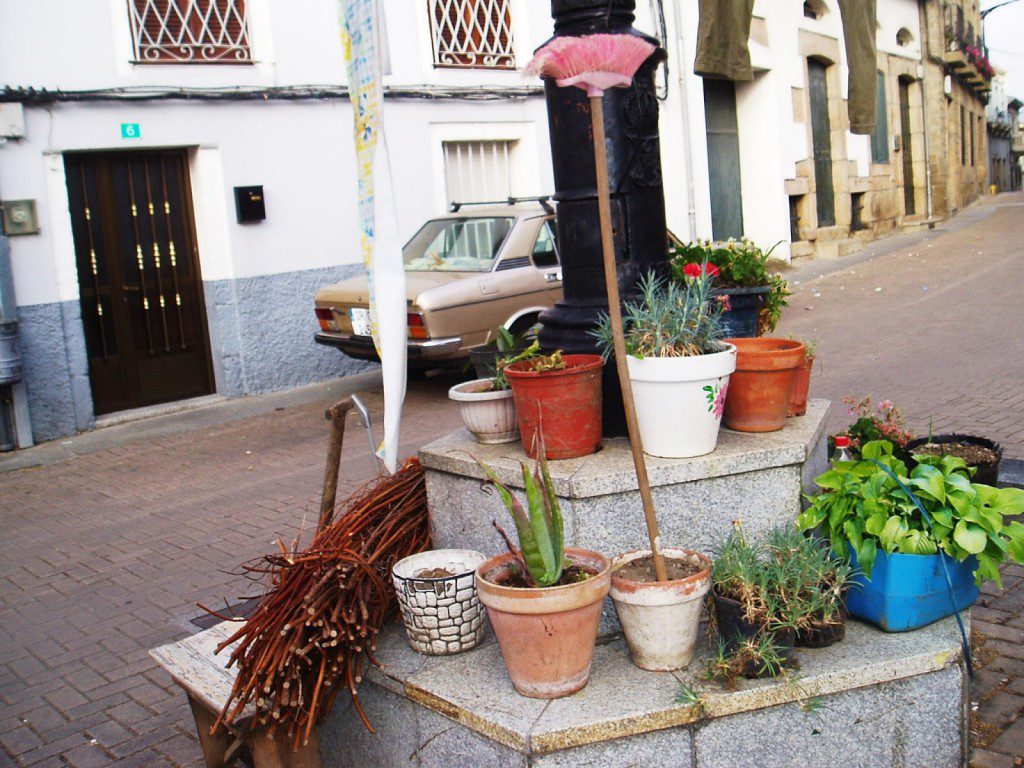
(315, 628)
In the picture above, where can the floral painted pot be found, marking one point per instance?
(680, 401)
(442, 613)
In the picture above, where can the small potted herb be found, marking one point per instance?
(814, 580)
(755, 293)
(677, 364)
(751, 609)
(543, 600)
(871, 510)
(558, 401)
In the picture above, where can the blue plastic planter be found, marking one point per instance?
(909, 591)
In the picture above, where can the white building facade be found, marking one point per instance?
(158, 104)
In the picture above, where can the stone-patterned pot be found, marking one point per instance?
(442, 614)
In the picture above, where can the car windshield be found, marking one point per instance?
(456, 245)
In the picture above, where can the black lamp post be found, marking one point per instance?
(638, 200)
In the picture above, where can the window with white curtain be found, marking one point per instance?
(477, 171)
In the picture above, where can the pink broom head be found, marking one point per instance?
(592, 62)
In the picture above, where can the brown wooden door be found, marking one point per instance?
(907, 148)
(821, 139)
(138, 276)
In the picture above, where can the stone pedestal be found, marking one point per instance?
(755, 478)
(876, 699)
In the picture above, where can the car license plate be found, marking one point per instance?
(360, 321)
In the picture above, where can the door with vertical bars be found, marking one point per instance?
(138, 276)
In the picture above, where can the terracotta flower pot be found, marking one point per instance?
(660, 618)
(565, 406)
(801, 387)
(546, 635)
(761, 388)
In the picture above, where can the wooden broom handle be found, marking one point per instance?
(615, 313)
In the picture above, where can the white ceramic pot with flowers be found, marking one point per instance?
(678, 367)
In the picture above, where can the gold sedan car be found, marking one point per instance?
(466, 273)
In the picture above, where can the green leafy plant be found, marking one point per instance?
(669, 319)
(861, 507)
(759, 656)
(874, 421)
(739, 264)
(541, 552)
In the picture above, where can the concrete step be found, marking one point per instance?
(876, 699)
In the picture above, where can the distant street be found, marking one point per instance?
(112, 538)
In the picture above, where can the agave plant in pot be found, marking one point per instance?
(916, 537)
(487, 405)
(678, 367)
(543, 600)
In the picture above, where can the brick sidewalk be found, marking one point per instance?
(106, 554)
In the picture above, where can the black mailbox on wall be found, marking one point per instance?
(250, 206)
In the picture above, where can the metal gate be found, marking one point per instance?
(723, 159)
(138, 276)
(906, 148)
(821, 137)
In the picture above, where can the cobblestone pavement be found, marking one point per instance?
(108, 548)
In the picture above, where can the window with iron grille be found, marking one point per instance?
(478, 171)
(475, 34)
(190, 31)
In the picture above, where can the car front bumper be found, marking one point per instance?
(361, 347)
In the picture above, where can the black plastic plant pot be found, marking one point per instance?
(734, 629)
(987, 472)
(740, 321)
(821, 635)
(485, 359)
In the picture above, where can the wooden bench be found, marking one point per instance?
(207, 683)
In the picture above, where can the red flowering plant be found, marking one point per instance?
(880, 420)
(734, 264)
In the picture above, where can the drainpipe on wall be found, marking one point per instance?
(925, 52)
(15, 430)
(684, 109)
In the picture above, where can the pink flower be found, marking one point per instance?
(719, 407)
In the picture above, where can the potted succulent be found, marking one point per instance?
(437, 595)
(679, 370)
(752, 617)
(755, 294)
(543, 599)
(487, 405)
(905, 531)
(802, 385)
(762, 386)
(660, 619)
(558, 402)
